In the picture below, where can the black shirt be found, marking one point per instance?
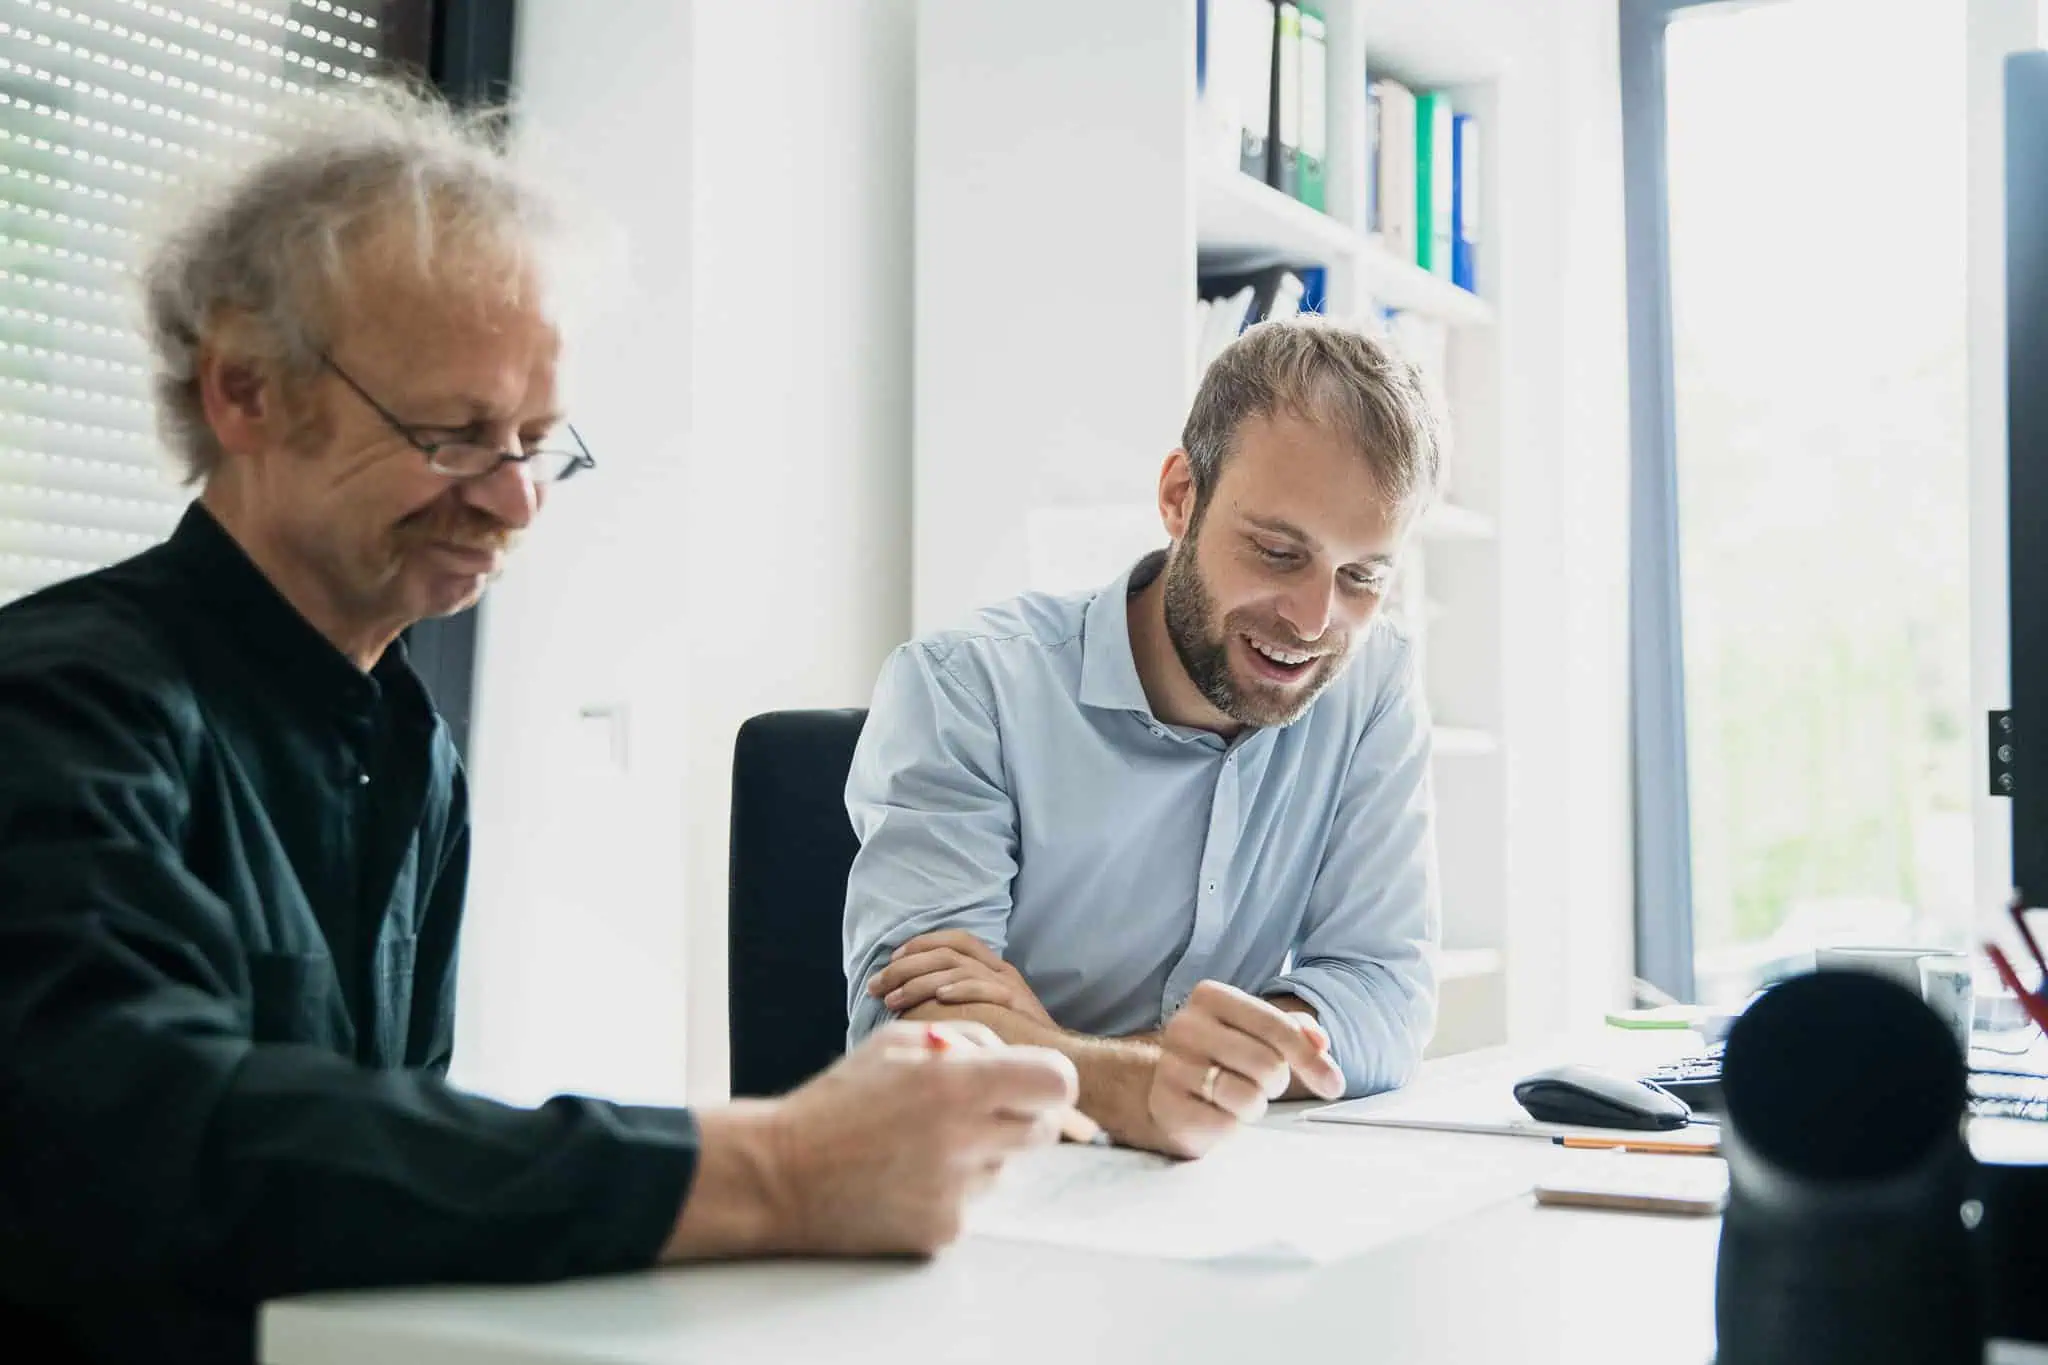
(231, 880)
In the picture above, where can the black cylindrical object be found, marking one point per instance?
(2012, 1250)
(1844, 1241)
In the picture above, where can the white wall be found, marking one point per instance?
(743, 544)
(1564, 505)
(574, 963)
(1597, 838)
(799, 508)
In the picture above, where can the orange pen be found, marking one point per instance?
(1636, 1145)
(1075, 1126)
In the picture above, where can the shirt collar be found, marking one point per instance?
(1109, 670)
(243, 604)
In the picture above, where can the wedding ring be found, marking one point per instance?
(1209, 1079)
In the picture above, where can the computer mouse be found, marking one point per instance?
(1593, 1098)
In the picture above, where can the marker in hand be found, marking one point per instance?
(1075, 1126)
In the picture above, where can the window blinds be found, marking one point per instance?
(103, 105)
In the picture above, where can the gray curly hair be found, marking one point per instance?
(1326, 373)
(266, 245)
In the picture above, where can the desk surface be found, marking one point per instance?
(1512, 1282)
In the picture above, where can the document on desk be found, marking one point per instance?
(1490, 1107)
(1266, 1194)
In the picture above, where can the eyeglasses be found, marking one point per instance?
(2035, 1003)
(458, 458)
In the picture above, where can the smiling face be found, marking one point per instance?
(398, 539)
(1273, 579)
(345, 513)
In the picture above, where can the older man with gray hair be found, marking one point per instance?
(234, 835)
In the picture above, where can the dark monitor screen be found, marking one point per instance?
(2026, 323)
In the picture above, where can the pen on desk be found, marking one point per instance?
(1075, 1126)
(1635, 1145)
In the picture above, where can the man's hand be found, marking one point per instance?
(876, 1155)
(1223, 1058)
(953, 967)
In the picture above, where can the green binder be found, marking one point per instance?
(1433, 189)
(1315, 110)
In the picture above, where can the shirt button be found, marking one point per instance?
(1212, 888)
(362, 779)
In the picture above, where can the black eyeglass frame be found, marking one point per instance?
(579, 458)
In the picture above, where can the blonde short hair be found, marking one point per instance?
(1334, 376)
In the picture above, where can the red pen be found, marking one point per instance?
(2034, 1003)
(1075, 1126)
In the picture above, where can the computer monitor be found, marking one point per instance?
(2026, 354)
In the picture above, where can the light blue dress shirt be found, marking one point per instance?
(1012, 781)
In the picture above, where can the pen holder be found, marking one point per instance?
(1844, 1239)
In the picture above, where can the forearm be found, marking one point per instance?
(335, 1177)
(1116, 1073)
(253, 1172)
(734, 1206)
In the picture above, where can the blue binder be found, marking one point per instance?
(1464, 199)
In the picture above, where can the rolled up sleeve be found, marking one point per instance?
(937, 827)
(1365, 960)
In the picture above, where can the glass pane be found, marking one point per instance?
(1816, 161)
(105, 105)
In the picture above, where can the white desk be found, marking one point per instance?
(1512, 1282)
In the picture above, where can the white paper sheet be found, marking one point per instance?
(1489, 1107)
(1266, 1194)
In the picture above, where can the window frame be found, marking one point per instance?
(1661, 787)
(465, 48)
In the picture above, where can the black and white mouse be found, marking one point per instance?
(1593, 1098)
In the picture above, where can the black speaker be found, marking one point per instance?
(1845, 1240)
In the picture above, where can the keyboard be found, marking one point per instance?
(1993, 1094)
(2008, 1095)
(1695, 1079)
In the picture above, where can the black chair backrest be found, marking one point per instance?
(792, 847)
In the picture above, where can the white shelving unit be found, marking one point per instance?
(1065, 191)
(1467, 964)
(1454, 742)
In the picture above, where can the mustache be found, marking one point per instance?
(1269, 630)
(460, 525)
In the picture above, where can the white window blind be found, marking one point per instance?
(103, 105)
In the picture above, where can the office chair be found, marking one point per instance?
(792, 847)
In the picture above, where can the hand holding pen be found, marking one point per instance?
(1074, 1126)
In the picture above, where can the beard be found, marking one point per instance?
(1201, 638)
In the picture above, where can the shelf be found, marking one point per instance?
(1393, 282)
(1236, 213)
(1448, 521)
(1461, 964)
(1452, 741)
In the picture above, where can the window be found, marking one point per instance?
(103, 106)
(1815, 463)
